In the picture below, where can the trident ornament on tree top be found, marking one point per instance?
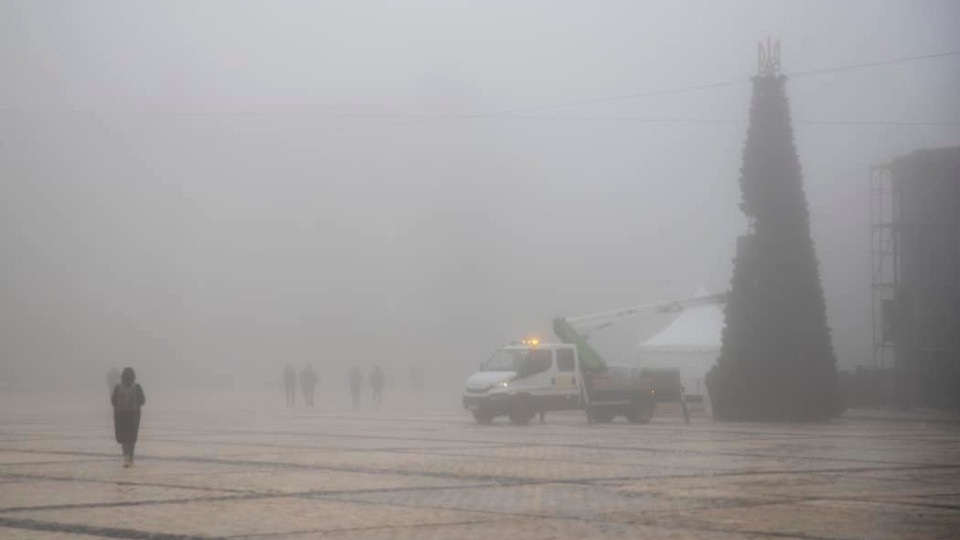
(768, 58)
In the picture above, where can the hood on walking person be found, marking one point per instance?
(128, 377)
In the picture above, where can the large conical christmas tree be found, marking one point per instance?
(777, 361)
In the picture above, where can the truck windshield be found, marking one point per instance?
(506, 360)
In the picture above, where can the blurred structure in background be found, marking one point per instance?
(915, 203)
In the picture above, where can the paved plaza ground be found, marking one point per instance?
(251, 469)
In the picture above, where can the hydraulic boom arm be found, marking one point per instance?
(574, 330)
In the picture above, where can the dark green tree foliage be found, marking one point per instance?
(777, 360)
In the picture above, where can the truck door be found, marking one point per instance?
(565, 381)
(535, 372)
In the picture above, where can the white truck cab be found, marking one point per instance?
(523, 380)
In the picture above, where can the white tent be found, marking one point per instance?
(690, 343)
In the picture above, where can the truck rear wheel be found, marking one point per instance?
(640, 412)
(601, 415)
(483, 417)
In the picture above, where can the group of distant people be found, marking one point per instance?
(375, 379)
(308, 384)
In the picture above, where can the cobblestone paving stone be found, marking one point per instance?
(418, 472)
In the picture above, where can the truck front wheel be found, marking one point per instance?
(521, 412)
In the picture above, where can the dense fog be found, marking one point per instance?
(211, 191)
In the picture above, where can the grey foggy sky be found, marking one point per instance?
(220, 187)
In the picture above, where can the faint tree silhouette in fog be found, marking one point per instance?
(777, 360)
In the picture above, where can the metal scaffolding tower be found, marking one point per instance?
(884, 265)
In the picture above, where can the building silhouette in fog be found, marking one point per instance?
(916, 275)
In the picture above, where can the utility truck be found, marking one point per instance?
(524, 379)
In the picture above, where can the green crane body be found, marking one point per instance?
(590, 359)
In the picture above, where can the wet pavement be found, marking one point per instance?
(429, 472)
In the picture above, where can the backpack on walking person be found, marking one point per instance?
(127, 398)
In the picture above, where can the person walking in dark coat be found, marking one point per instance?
(356, 380)
(127, 399)
(290, 385)
(376, 384)
(308, 382)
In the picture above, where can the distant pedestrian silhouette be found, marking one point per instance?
(356, 380)
(376, 384)
(127, 399)
(290, 385)
(308, 382)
